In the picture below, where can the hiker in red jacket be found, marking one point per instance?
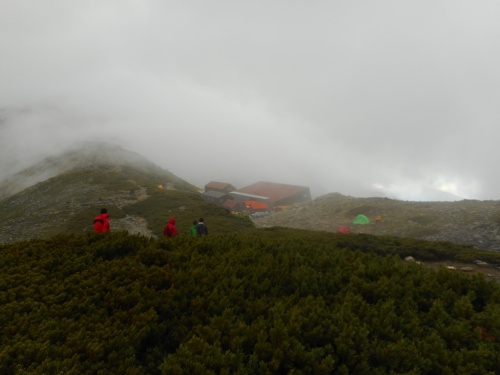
(169, 230)
(101, 222)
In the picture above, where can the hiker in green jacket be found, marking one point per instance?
(193, 228)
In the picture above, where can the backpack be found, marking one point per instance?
(98, 225)
(201, 229)
(167, 231)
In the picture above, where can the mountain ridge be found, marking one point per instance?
(68, 189)
(83, 155)
(75, 185)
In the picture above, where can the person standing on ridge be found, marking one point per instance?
(201, 228)
(169, 230)
(193, 229)
(101, 221)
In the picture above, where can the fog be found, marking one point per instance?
(384, 98)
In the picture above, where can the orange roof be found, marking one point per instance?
(256, 205)
(275, 192)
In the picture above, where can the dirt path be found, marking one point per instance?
(489, 270)
(132, 224)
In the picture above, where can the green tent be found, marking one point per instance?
(361, 219)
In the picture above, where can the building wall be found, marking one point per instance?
(217, 199)
(225, 189)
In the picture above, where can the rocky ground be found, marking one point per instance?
(35, 211)
(64, 190)
(133, 225)
(466, 222)
(491, 271)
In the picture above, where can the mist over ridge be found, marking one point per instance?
(89, 175)
(355, 98)
(81, 155)
(93, 153)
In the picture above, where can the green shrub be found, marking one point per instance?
(274, 301)
(186, 207)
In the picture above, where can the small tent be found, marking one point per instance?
(343, 229)
(361, 219)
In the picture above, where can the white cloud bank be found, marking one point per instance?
(363, 98)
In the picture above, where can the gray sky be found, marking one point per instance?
(396, 98)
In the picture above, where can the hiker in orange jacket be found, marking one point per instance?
(101, 221)
(169, 230)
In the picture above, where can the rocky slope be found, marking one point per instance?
(66, 191)
(468, 222)
(61, 194)
(83, 155)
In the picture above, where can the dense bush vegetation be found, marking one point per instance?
(186, 207)
(276, 301)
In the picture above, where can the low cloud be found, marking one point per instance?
(392, 99)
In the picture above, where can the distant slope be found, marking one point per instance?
(466, 222)
(98, 176)
(88, 155)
